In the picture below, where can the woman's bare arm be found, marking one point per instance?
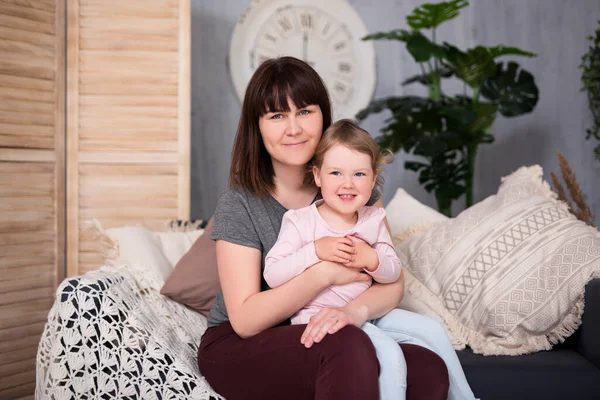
(252, 311)
(376, 301)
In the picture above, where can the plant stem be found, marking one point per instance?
(435, 60)
(435, 92)
(476, 92)
(444, 205)
(471, 157)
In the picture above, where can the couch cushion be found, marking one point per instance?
(195, 279)
(507, 275)
(404, 212)
(557, 374)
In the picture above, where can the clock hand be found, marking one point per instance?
(305, 47)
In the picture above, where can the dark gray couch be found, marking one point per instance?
(570, 370)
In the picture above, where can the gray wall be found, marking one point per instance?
(554, 29)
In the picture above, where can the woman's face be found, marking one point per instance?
(291, 137)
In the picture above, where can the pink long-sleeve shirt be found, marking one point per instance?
(295, 251)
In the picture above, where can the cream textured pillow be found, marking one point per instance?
(507, 275)
(175, 244)
(146, 252)
(405, 213)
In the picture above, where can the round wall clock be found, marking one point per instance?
(324, 33)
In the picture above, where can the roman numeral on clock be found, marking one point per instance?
(339, 46)
(285, 24)
(344, 67)
(306, 20)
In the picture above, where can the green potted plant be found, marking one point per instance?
(590, 77)
(445, 131)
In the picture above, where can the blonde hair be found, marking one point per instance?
(347, 133)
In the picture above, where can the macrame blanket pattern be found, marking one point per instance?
(507, 275)
(111, 335)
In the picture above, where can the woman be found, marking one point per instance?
(249, 350)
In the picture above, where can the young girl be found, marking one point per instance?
(346, 169)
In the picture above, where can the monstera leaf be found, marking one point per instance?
(397, 34)
(431, 15)
(417, 44)
(513, 90)
(473, 119)
(473, 66)
(501, 50)
(422, 49)
(442, 175)
(426, 79)
(397, 105)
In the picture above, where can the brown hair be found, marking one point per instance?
(347, 133)
(272, 84)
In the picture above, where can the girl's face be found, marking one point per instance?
(291, 137)
(346, 179)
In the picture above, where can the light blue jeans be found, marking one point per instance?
(401, 326)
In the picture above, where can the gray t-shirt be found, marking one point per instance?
(244, 218)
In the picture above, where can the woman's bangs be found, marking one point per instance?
(284, 85)
(304, 91)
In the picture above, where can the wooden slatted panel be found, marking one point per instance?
(120, 195)
(32, 184)
(129, 119)
(119, 89)
(29, 271)
(27, 74)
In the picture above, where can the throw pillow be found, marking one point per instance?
(507, 275)
(405, 213)
(195, 280)
(407, 216)
(152, 254)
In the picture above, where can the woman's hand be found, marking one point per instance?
(365, 257)
(328, 321)
(338, 274)
(335, 249)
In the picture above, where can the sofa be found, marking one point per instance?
(571, 370)
(155, 366)
(112, 334)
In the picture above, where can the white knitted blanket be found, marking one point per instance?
(111, 335)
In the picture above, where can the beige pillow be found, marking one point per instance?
(405, 213)
(148, 253)
(194, 280)
(406, 216)
(507, 275)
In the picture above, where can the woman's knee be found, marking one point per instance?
(352, 345)
(427, 373)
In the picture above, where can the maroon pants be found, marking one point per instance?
(275, 365)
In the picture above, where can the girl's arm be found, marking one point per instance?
(288, 258)
(252, 311)
(379, 299)
(388, 270)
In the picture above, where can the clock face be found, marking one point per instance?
(325, 34)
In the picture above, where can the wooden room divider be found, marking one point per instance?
(94, 123)
(128, 110)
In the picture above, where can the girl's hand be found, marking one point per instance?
(365, 257)
(327, 322)
(335, 249)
